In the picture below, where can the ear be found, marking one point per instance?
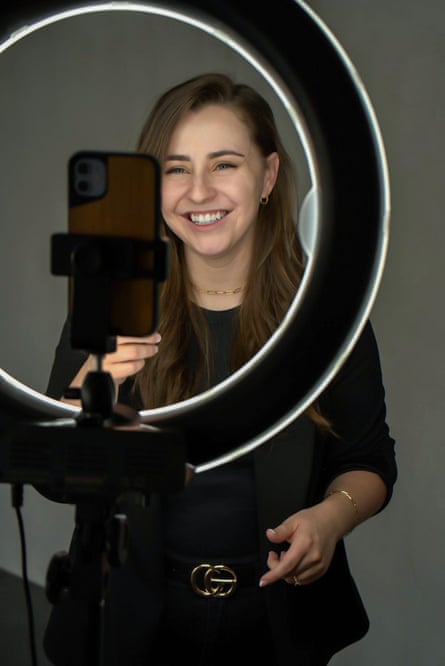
(271, 174)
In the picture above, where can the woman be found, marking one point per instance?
(275, 518)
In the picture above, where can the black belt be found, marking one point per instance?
(213, 579)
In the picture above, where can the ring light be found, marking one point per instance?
(349, 204)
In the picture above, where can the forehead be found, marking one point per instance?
(212, 124)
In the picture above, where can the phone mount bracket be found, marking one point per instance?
(93, 262)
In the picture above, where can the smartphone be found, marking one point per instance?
(118, 194)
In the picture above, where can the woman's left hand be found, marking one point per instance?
(312, 535)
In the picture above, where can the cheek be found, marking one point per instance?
(172, 203)
(169, 206)
(255, 183)
(167, 198)
(252, 193)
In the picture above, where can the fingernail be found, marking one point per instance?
(262, 583)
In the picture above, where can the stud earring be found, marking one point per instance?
(264, 200)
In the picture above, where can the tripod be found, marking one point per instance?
(100, 537)
(91, 460)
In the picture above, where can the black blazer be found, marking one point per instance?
(328, 613)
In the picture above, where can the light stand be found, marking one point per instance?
(105, 451)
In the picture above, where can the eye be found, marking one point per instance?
(224, 166)
(175, 170)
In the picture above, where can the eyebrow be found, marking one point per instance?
(217, 153)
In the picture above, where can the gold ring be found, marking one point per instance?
(296, 581)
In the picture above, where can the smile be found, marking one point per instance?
(207, 218)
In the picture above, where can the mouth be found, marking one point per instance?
(205, 219)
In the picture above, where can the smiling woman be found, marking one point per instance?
(220, 152)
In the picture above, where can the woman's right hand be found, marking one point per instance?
(128, 358)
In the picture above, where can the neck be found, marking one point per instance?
(218, 273)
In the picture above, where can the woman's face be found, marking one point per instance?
(213, 179)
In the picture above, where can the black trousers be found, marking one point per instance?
(213, 631)
(205, 631)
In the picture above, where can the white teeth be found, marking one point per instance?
(206, 218)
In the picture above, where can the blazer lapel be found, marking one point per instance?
(283, 473)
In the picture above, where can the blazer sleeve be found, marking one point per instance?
(67, 363)
(355, 404)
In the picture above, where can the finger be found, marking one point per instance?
(281, 566)
(273, 559)
(128, 360)
(131, 352)
(304, 578)
(153, 338)
(294, 580)
(279, 534)
(120, 371)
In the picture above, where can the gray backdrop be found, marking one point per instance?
(83, 91)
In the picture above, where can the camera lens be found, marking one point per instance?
(83, 186)
(83, 168)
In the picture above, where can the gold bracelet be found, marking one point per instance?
(350, 498)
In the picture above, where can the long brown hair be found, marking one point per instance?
(277, 262)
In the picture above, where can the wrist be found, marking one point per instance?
(346, 510)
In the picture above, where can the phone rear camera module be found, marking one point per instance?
(90, 177)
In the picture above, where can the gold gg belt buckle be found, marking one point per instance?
(213, 580)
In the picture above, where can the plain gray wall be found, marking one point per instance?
(398, 49)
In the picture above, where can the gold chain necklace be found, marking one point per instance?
(218, 292)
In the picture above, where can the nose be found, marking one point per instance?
(201, 187)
